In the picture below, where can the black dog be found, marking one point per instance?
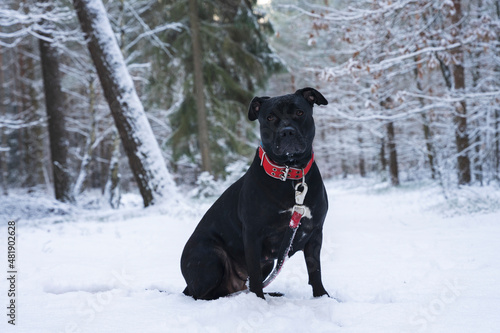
(239, 237)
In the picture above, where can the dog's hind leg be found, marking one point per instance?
(203, 271)
(210, 273)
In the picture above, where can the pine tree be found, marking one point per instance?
(236, 61)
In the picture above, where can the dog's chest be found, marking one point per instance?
(304, 230)
(274, 236)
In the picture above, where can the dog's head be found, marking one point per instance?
(287, 125)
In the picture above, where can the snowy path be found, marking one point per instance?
(393, 263)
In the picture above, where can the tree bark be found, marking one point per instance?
(497, 118)
(460, 119)
(35, 150)
(497, 145)
(362, 164)
(83, 177)
(343, 158)
(112, 189)
(3, 142)
(477, 158)
(388, 104)
(203, 140)
(55, 105)
(383, 160)
(425, 123)
(428, 143)
(141, 147)
(26, 107)
(393, 156)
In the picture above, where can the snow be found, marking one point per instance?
(393, 260)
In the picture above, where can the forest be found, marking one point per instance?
(151, 96)
(122, 121)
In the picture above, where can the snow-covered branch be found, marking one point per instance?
(15, 124)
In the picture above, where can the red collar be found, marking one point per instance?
(282, 172)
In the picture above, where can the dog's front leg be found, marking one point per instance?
(312, 252)
(253, 251)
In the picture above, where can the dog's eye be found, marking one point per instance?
(270, 118)
(299, 113)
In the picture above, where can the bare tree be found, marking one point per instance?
(361, 54)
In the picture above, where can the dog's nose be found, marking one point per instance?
(287, 131)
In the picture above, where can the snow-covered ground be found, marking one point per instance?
(394, 260)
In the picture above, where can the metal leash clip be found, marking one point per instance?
(300, 195)
(298, 209)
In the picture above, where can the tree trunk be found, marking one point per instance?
(35, 161)
(428, 143)
(497, 144)
(3, 143)
(17, 157)
(4, 167)
(477, 158)
(383, 160)
(388, 104)
(461, 136)
(141, 147)
(393, 156)
(203, 140)
(21, 106)
(478, 161)
(55, 105)
(425, 124)
(343, 158)
(497, 118)
(82, 179)
(27, 142)
(460, 119)
(362, 164)
(112, 189)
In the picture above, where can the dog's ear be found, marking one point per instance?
(312, 96)
(254, 107)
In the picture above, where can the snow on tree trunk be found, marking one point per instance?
(143, 152)
(55, 105)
